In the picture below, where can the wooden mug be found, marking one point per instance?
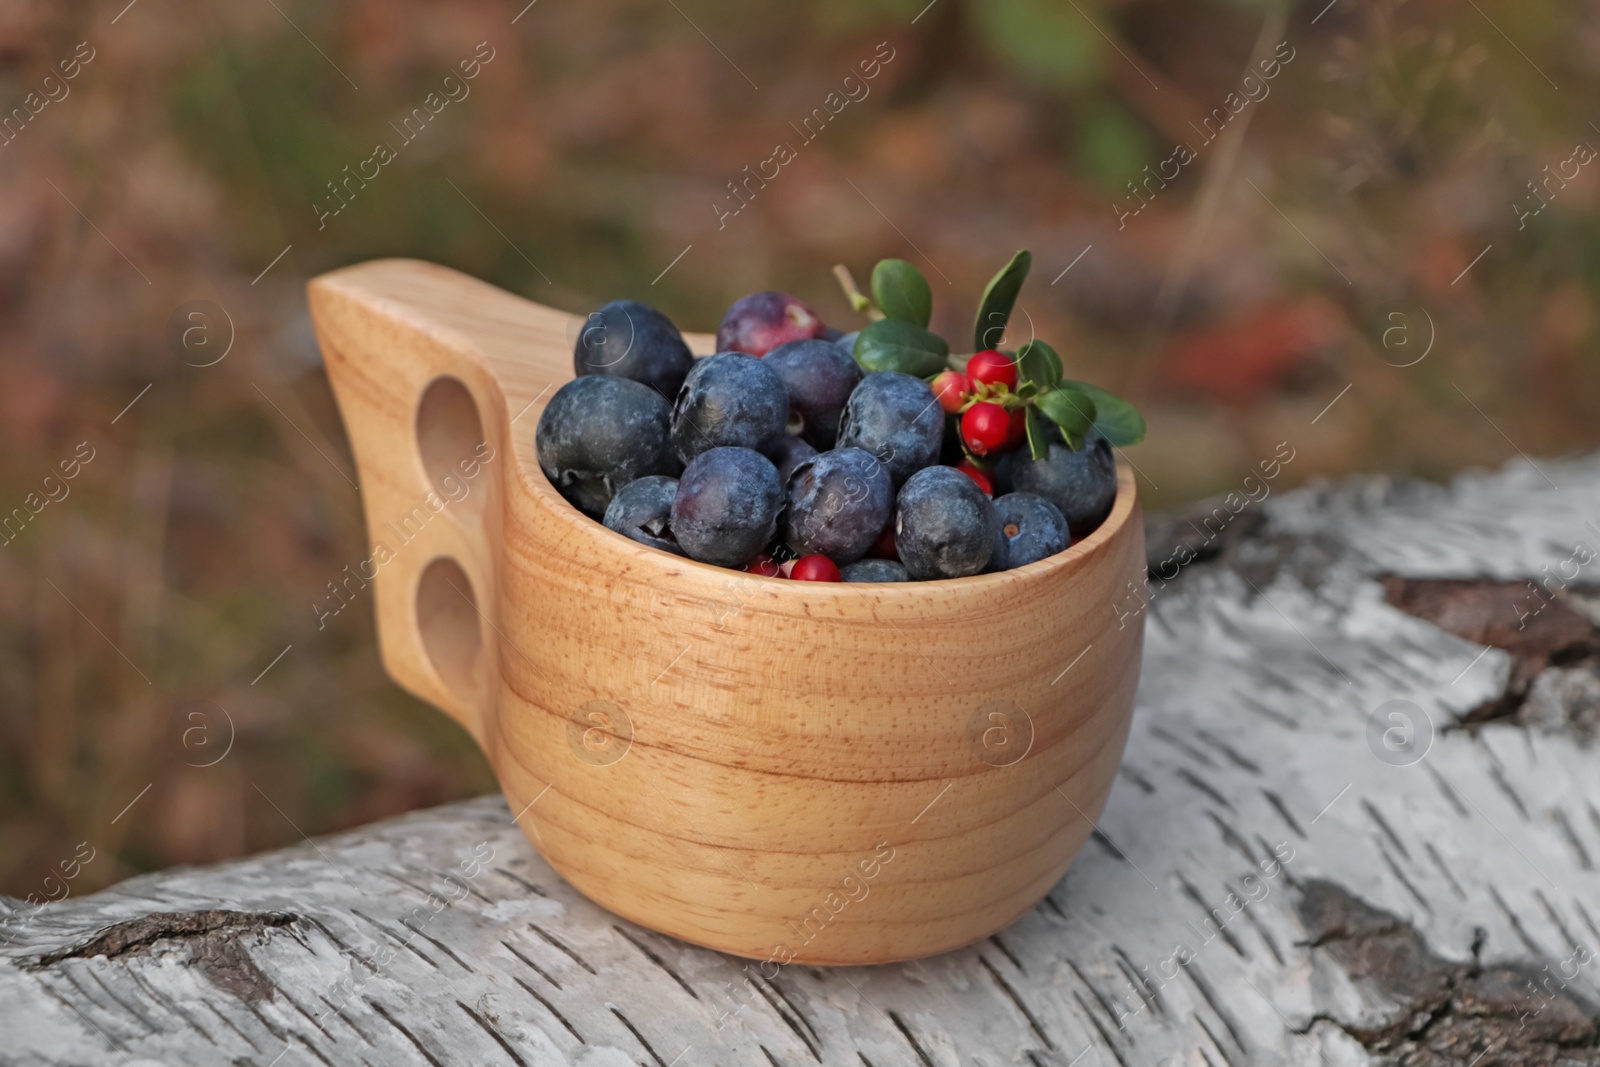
(788, 771)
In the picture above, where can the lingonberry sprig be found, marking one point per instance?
(1004, 399)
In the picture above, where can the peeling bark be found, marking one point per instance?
(1531, 622)
(1432, 1012)
(213, 938)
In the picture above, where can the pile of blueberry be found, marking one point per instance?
(800, 452)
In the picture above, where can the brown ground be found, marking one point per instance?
(1319, 243)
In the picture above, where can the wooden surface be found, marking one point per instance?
(749, 763)
(1420, 903)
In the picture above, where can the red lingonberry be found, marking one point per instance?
(952, 388)
(984, 481)
(763, 564)
(815, 568)
(1017, 431)
(993, 368)
(884, 547)
(985, 428)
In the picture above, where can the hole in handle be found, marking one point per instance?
(451, 442)
(447, 619)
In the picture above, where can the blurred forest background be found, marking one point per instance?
(165, 694)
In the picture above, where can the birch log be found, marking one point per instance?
(1342, 835)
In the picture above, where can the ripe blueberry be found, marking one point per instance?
(628, 339)
(597, 434)
(898, 419)
(838, 503)
(727, 504)
(820, 378)
(1030, 528)
(642, 510)
(729, 399)
(789, 453)
(760, 322)
(874, 570)
(1083, 485)
(944, 525)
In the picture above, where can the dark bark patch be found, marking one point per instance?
(1243, 541)
(1429, 1012)
(1197, 533)
(1521, 618)
(214, 939)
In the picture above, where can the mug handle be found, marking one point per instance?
(440, 379)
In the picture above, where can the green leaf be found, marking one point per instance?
(1117, 420)
(902, 292)
(1038, 363)
(891, 344)
(1069, 409)
(999, 297)
(1038, 433)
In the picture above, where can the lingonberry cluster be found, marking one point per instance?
(800, 452)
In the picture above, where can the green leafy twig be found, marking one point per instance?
(898, 339)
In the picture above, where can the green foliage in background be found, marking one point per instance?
(1110, 143)
(1046, 41)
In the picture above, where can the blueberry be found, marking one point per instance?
(731, 400)
(874, 570)
(1029, 528)
(599, 433)
(848, 343)
(898, 419)
(1003, 469)
(789, 454)
(760, 322)
(819, 377)
(642, 510)
(1083, 485)
(944, 525)
(628, 339)
(727, 505)
(838, 504)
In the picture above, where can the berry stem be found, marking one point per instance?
(852, 293)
